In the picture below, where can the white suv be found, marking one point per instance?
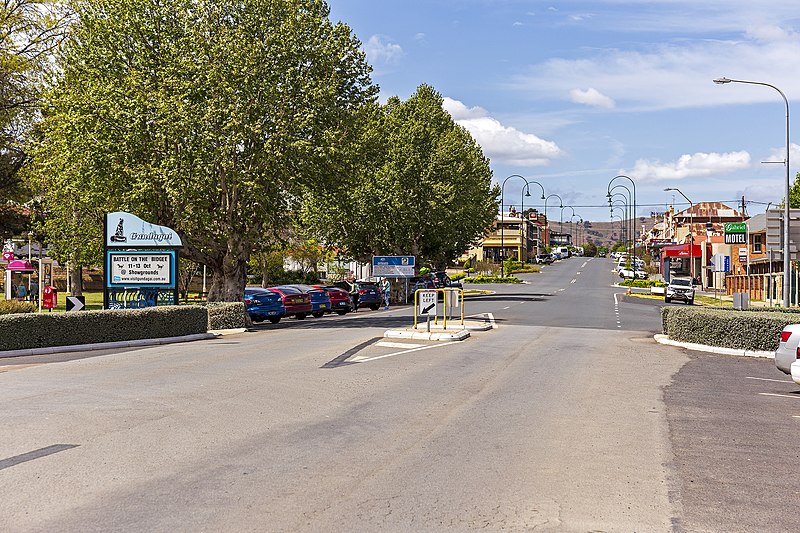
(680, 289)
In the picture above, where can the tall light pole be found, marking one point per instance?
(691, 229)
(786, 262)
(633, 202)
(547, 220)
(525, 223)
(622, 201)
(561, 224)
(502, 221)
(631, 208)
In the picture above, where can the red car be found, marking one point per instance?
(296, 302)
(341, 302)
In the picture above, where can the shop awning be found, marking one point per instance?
(682, 250)
(19, 265)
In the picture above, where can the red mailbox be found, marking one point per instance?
(49, 297)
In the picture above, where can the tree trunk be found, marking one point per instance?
(76, 280)
(229, 277)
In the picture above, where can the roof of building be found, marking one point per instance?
(710, 210)
(757, 223)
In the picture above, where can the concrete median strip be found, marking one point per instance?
(663, 339)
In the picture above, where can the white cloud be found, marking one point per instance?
(502, 144)
(675, 74)
(380, 52)
(779, 154)
(690, 166)
(591, 97)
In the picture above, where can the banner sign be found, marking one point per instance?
(393, 266)
(125, 230)
(141, 268)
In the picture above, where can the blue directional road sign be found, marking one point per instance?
(393, 266)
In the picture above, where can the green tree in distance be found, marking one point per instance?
(211, 117)
(423, 187)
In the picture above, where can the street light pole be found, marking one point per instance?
(691, 229)
(631, 209)
(502, 221)
(561, 224)
(786, 233)
(547, 220)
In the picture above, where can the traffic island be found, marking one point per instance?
(436, 334)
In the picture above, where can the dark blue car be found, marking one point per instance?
(263, 304)
(320, 301)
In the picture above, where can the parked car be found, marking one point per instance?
(629, 273)
(296, 302)
(544, 259)
(556, 256)
(601, 254)
(341, 303)
(796, 372)
(788, 347)
(424, 281)
(441, 279)
(369, 295)
(320, 301)
(680, 289)
(263, 304)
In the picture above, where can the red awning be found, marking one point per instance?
(20, 266)
(682, 250)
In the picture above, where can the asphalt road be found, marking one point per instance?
(566, 417)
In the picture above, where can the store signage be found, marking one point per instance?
(125, 230)
(141, 269)
(735, 233)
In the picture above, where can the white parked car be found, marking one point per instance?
(626, 273)
(680, 289)
(786, 354)
(796, 372)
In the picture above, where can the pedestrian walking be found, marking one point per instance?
(21, 292)
(354, 293)
(386, 287)
(34, 295)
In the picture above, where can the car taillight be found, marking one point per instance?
(785, 335)
(362, 291)
(248, 301)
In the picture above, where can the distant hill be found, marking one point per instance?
(606, 233)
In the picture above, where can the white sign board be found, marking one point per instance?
(141, 268)
(125, 230)
(426, 302)
(393, 266)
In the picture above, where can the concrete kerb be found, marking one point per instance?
(663, 339)
(441, 335)
(111, 345)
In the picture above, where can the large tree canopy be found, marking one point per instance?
(208, 116)
(423, 188)
(29, 29)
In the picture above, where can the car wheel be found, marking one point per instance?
(374, 307)
(274, 319)
(317, 314)
(257, 319)
(667, 299)
(300, 316)
(690, 302)
(341, 313)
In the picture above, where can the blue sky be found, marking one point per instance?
(571, 93)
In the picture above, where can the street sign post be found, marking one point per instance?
(393, 266)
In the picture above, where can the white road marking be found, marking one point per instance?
(402, 345)
(367, 359)
(579, 273)
(561, 290)
(584, 264)
(779, 395)
(491, 320)
(573, 281)
(775, 380)
(509, 307)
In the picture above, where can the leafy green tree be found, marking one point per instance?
(208, 117)
(794, 193)
(29, 29)
(422, 187)
(589, 249)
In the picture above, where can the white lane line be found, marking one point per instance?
(491, 320)
(573, 281)
(509, 307)
(367, 359)
(775, 380)
(584, 264)
(561, 290)
(579, 273)
(401, 345)
(486, 316)
(779, 395)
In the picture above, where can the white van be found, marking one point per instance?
(564, 251)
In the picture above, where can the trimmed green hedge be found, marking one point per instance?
(644, 283)
(226, 315)
(483, 278)
(726, 328)
(8, 307)
(42, 330)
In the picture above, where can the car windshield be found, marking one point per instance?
(681, 282)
